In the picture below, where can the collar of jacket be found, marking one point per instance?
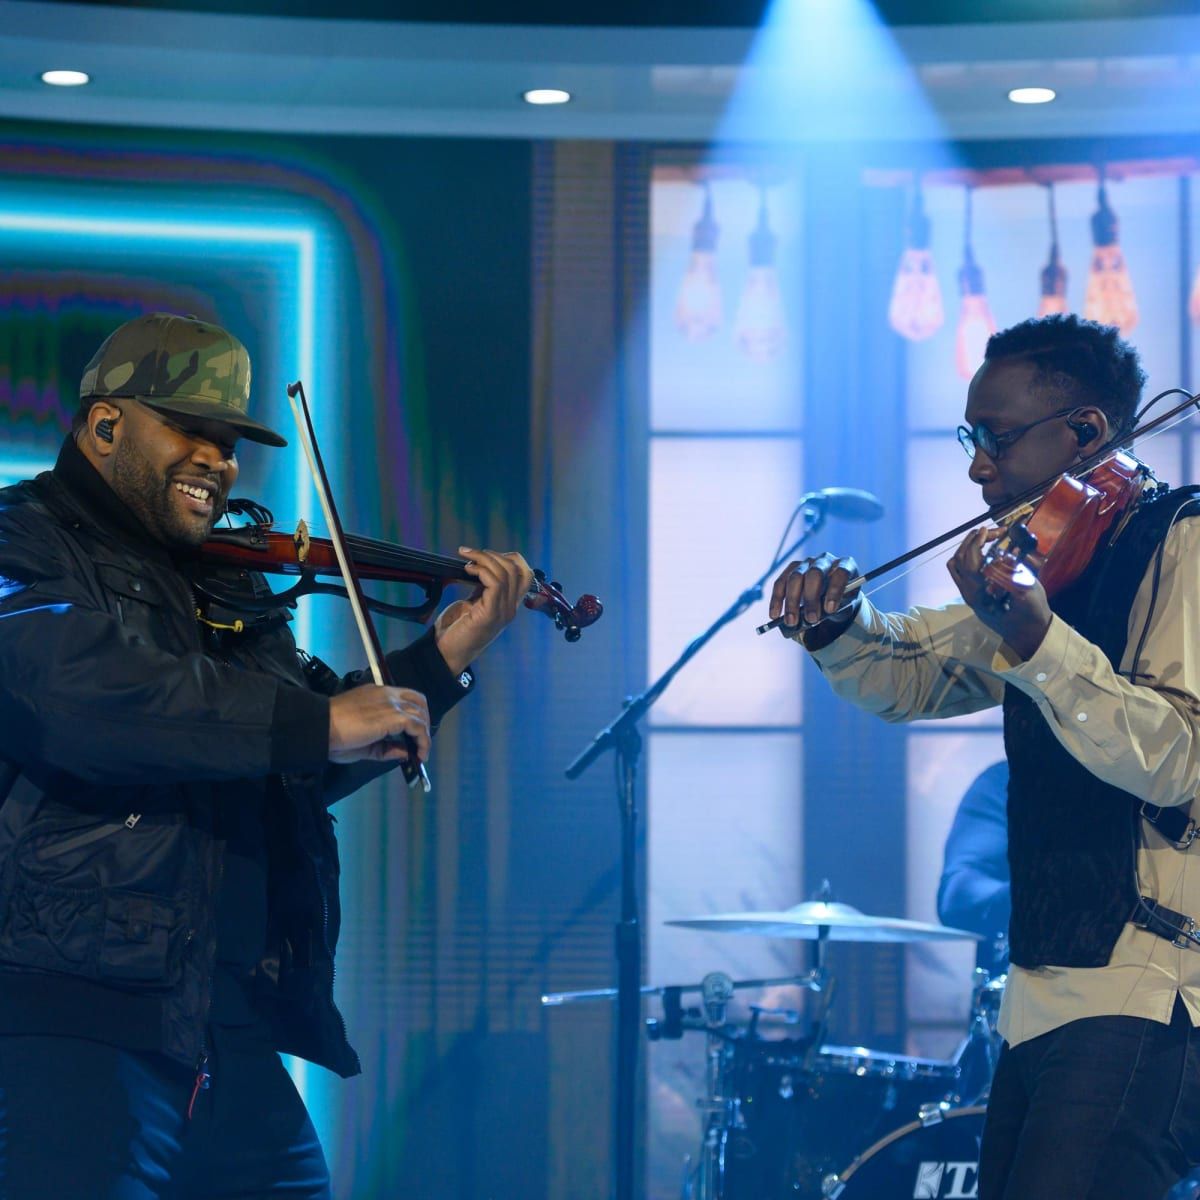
(103, 508)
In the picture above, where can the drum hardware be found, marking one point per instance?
(814, 980)
(778, 1114)
(783, 1117)
(937, 1159)
(979, 1052)
(785, 1016)
(932, 1114)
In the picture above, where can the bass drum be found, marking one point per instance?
(938, 1161)
(801, 1117)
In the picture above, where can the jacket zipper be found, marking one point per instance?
(202, 1083)
(92, 835)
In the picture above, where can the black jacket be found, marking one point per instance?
(124, 724)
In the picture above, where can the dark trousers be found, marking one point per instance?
(80, 1120)
(1104, 1108)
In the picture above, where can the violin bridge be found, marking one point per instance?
(302, 541)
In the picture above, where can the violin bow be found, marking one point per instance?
(413, 768)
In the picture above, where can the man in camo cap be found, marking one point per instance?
(177, 365)
(168, 903)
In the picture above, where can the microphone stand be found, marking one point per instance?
(622, 736)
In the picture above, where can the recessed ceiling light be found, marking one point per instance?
(66, 78)
(1032, 95)
(546, 96)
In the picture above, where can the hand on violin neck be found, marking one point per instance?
(813, 594)
(1025, 617)
(370, 722)
(467, 627)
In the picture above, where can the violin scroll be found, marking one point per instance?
(572, 619)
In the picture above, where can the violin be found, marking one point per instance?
(1053, 530)
(258, 546)
(1055, 539)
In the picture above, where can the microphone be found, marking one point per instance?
(851, 504)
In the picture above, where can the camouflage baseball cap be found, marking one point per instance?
(180, 365)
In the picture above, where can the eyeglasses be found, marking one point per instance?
(994, 445)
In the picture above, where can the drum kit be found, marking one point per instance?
(801, 1119)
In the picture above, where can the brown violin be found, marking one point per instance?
(1055, 538)
(258, 546)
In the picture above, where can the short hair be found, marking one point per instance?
(1077, 362)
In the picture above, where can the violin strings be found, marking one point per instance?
(400, 554)
(934, 555)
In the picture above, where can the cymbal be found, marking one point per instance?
(824, 920)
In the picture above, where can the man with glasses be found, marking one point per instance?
(1097, 1092)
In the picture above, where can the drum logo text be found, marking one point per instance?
(960, 1180)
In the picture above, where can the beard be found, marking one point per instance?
(151, 497)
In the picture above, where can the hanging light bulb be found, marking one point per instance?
(698, 309)
(758, 328)
(1054, 274)
(975, 321)
(1194, 300)
(1110, 299)
(915, 311)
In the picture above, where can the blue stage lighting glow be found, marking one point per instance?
(108, 225)
(12, 470)
(823, 72)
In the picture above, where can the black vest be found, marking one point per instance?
(1072, 839)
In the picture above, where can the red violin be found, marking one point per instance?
(1054, 538)
(259, 547)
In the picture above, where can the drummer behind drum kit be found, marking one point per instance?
(799, 1119)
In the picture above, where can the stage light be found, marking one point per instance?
(66, 78)
(758, 328)
(1054, 274)
(1032, 95)
(1109, 299)
(1194, 300)
(546, 96)
(916, 311)
(698, 308)
(975, 321)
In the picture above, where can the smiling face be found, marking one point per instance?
(174, 472)
(1005, 396)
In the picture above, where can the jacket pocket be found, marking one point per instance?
(137, 601)
(111, 936)
(136, 940)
